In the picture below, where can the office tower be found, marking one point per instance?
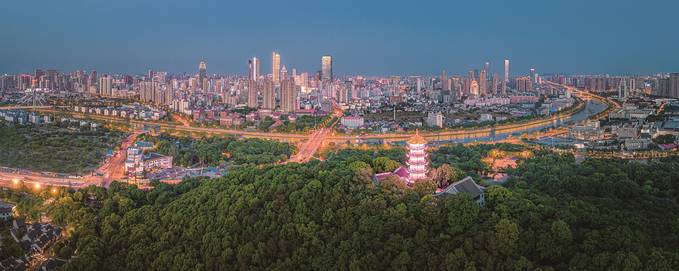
(483, 83)
(326, 68)
(288, 96)
(252, 94)
(253, 68)
(486, 66)
(105, 86)
(268, 96)
(533, 75)
(202, 74)
(275, 67)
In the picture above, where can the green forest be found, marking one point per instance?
(55, 148)
(553, 214)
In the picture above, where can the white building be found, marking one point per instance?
(435, 119)
(352, 122)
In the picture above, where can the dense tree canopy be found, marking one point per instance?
(215, 150)
(554, 214)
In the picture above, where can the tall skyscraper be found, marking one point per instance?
(275, 67)
(202, 74)
(505, 80)
(254, 68)
(252, 94)
(486, 66)
(326, 68)
(288, 96)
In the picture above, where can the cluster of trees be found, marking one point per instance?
(302, 124)
(468, 158)
(55, 149)
(555, 214)
(216, 150)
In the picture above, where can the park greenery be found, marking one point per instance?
(303, 124)
(553, 214)
(213, 151)
(55, 148)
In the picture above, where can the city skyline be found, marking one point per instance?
(370, 39)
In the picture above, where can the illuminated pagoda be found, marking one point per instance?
(417, 158)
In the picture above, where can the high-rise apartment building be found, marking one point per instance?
(495, 84)
(674, 85)
(106, 86)
(524, 84)
(252, 94)
(288, 96)
(268, 95)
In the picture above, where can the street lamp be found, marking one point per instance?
(15, 181)
(37, 186)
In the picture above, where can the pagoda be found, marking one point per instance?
(417, 158)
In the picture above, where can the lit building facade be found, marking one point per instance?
(275, 67)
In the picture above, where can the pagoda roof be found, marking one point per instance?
(417, 138)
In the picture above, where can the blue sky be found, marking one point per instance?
(364, 37)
